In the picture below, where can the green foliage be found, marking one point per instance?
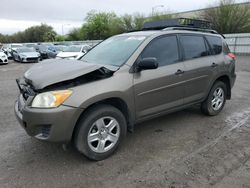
(229, 17)
(160, 16)
(132, 22)
(41, 33)
(49, 37)
(60, 38)
(75, 34)
(100, 25)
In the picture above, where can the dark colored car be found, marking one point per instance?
(42, 49)
(52, 51)
(126, 79)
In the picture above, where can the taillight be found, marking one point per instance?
(231, 55)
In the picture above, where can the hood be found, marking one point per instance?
(29, 54)
(2, 54)
(55, 71)
(68, 54)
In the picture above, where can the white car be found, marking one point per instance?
(73, 52)
(9, 48)
(3, 58)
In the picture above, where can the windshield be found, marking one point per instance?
(21, 50)
(16, 45)
(59, 48)
(42, 48)
(72, 49)
(114, 51)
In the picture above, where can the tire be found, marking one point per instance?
(216, 99)
(19, 59)
(14, 58)
(100, 147)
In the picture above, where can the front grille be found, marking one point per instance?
(1, 60)
(31, 58)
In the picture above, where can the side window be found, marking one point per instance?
(164, 49)
(215, 43)
(193, 46)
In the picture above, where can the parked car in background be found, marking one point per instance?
(8, 49)
(73, 52)
(3, 58)
(52, 51)
(31, 45)
(25, 54)
(43, 50)
(14, 46)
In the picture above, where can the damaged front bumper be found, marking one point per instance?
(55, 125)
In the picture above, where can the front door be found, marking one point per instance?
(159, 89)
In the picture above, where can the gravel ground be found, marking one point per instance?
(183, 149)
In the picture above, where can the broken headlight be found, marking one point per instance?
(50, 99)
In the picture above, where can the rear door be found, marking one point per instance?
(162, 88)
(200, 66)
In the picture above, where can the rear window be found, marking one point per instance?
(193, 46)
(215, 43)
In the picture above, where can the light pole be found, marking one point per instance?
(62, 28)
(155, 7)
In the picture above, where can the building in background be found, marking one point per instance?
(198, 12)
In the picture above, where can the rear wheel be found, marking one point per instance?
(215, 100)
(100, 131)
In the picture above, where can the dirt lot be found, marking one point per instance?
(184, 149)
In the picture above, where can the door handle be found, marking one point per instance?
(179, 71)
(214, 65)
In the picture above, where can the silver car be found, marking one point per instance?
(25, 54)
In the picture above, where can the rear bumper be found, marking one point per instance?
(55, 125)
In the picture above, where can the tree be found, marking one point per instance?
(229, 17)
(132, 22)
(39, 33)
(101, 25)
(160, 16)
(60, 38)
(49, 36)
(75, 34)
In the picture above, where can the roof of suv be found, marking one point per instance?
(153, 32)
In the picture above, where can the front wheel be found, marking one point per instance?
(216, 99)
(100, 131)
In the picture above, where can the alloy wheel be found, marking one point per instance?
(103, 134)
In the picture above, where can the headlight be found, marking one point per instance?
(23, 56)
(51, 99)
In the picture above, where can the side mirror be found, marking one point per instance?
(147, 63)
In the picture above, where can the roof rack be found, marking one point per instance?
(177, 22)
(191, 29)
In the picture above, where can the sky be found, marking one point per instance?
(64, 15)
